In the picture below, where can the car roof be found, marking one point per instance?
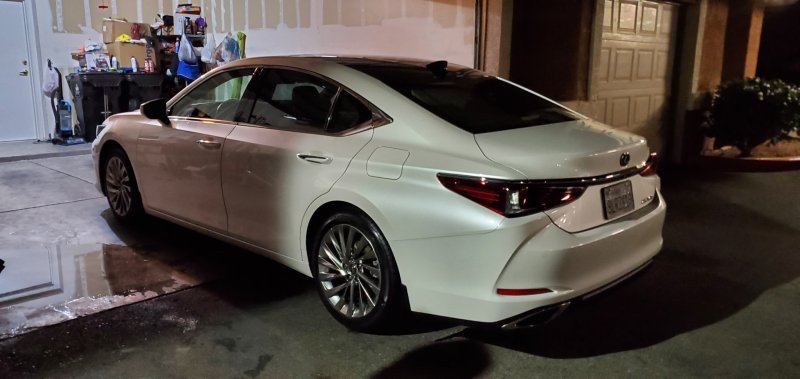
(343, 60)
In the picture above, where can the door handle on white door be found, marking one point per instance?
(23, 73)
(315, 158)
(208, 144)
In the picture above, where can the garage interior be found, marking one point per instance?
(82, 295)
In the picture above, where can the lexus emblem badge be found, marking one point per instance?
(624, 159)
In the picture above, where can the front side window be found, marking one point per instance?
(217, 98)
(292, 100)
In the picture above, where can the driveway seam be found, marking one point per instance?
(59, 171)
(18, 158)
(47, 205)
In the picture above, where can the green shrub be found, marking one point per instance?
(746, 113)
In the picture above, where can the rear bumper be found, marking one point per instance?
(458, 276)
(545, 314)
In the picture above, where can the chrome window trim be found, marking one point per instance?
(354, 130)
(203, 120)
(379, 117)
(372, 107)
(334, 101)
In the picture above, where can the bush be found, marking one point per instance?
(746, 113)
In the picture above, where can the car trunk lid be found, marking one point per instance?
(567, 150)
(578, 150)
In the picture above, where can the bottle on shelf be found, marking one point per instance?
(188, 26)
(134, 65)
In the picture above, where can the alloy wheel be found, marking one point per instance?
(118, 186)
(349, 271)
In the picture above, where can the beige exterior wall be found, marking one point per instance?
(440, 29)
(496, 23)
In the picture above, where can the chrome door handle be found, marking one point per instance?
(208, 144)
(315, 158)
(23, 73)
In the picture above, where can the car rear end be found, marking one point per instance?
(579, 211)
(569, 245)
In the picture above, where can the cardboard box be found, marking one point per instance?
(124, 51)
(115, 28)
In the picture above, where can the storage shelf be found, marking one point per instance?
(190, 36)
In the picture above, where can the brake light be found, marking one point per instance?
(511, 198)
(651, 166)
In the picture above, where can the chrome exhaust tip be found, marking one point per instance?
(537, 317)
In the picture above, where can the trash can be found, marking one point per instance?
(141, 88)
(96, 95)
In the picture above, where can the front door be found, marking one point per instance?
(290, 151)
(16, 88)
(632, 82)
(179, 165)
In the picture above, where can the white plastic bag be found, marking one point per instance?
(207, 54)
(186, 51)
(50, 84)
(228, 50)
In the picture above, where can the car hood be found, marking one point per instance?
(574, 149)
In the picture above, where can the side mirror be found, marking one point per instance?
(156, 110)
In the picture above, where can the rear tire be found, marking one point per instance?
(119, 185)
(356, 275)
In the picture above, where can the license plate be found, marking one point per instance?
(618, 199)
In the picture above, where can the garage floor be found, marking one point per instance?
(723, 298)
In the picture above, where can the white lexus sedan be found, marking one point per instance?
(396, 185)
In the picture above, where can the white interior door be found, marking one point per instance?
(16, 91)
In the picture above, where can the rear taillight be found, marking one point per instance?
(651, 166)
(511, 198)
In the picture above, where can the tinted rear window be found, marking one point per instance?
(470, 99)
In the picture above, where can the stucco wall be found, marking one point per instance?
(433, 29)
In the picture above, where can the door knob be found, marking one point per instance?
(208, 144)
(23, 73)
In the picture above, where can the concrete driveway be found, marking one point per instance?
(721, 300)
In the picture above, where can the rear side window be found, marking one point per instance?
(348, 113)
(470, 99)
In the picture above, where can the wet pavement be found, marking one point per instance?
(49, 285)
(66, 257)
(721, 300)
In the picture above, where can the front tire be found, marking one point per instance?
(356, 275)
(120, 187)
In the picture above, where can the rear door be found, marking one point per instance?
(179, 165)
(297, 140)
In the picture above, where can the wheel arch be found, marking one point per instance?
(319, 216)
(327, 206)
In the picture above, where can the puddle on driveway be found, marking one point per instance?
(48, 285)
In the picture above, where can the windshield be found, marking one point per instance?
(470, 99)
